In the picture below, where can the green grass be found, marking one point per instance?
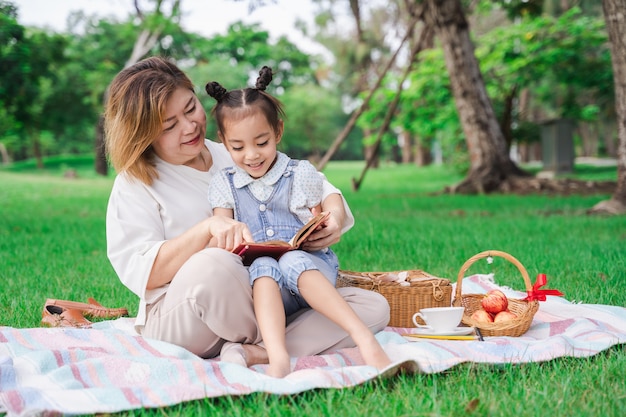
(52, 244)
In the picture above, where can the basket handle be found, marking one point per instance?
(486, 254)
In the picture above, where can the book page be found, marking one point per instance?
(308, 228)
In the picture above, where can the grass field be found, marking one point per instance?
(52, 244)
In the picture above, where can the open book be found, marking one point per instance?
(276, 248)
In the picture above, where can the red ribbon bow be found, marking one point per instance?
(540, 295)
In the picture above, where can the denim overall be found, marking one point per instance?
(272, 220)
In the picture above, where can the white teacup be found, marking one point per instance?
(439, 319)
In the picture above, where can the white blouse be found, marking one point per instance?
(140, 218)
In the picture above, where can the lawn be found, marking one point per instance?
(52, 244)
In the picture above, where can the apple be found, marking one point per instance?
(505, 315)
(495, 301)
(481, 316)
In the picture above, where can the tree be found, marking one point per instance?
(490, 164)
(153, 27)
(29, 60)
(313, 118)
(616, 27)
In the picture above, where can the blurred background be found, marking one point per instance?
(341, 66)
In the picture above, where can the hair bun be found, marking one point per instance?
(265, 78)
(215, 90)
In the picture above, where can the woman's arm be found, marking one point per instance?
(224, 232)
(149, 236)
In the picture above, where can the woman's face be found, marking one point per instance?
(251, 142)
(184, 128)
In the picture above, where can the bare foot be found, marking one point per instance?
(373, 353)
(279, 369)
(255, 355)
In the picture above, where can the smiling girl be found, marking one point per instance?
(275, 196)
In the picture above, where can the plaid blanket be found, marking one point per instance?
(110, 368)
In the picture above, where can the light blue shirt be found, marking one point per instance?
(306, 192)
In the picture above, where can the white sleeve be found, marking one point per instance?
(220, 194)
(134, 233)
(308, 184)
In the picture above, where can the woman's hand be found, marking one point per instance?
(227, 233)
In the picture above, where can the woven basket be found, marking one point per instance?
(421, 290)
(525, 310)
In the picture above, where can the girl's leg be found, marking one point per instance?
(266, 279)
(270, 315)
(310, 332)
(323, 297)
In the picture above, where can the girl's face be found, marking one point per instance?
(252, 143)
(184, 127)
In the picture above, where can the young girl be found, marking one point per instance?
(275, 196)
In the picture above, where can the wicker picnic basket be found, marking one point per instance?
(418, 290)
(525, 310)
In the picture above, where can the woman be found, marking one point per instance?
(159, 225)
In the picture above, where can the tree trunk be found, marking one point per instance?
(589, 138)
(101, 165)
(616, 26)
(407, 147)
(490, 164)
(608, 128)
(37, 150)
(422, 154)
(507, 118)
(6, 159)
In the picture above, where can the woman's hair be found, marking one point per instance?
(242, 103)
(134, 113)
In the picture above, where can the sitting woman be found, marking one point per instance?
(159, 224)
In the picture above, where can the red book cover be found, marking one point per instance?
(249, 251)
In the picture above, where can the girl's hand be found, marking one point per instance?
(326, 235)
(227, 233)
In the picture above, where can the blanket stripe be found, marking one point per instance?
(110, 368)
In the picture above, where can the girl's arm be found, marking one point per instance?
(331, 232)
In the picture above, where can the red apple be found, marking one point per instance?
(481, 316)
(494, 302)
(505, 315)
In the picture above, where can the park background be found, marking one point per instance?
(540, 61)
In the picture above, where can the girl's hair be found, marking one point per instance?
(242, 103)
(134, 113)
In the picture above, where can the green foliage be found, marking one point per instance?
(64, 102)
(248, 47)
(52, 85)
(314, 119)
(29, 60)
(564, 62)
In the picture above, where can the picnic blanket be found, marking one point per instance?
(110, 368)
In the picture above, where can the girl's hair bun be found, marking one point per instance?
(265, 78)
(215, 90)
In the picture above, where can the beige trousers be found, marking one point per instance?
(209, 302)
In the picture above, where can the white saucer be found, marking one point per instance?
(459, 331)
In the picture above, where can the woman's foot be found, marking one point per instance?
(245, 355)
(255, 355)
